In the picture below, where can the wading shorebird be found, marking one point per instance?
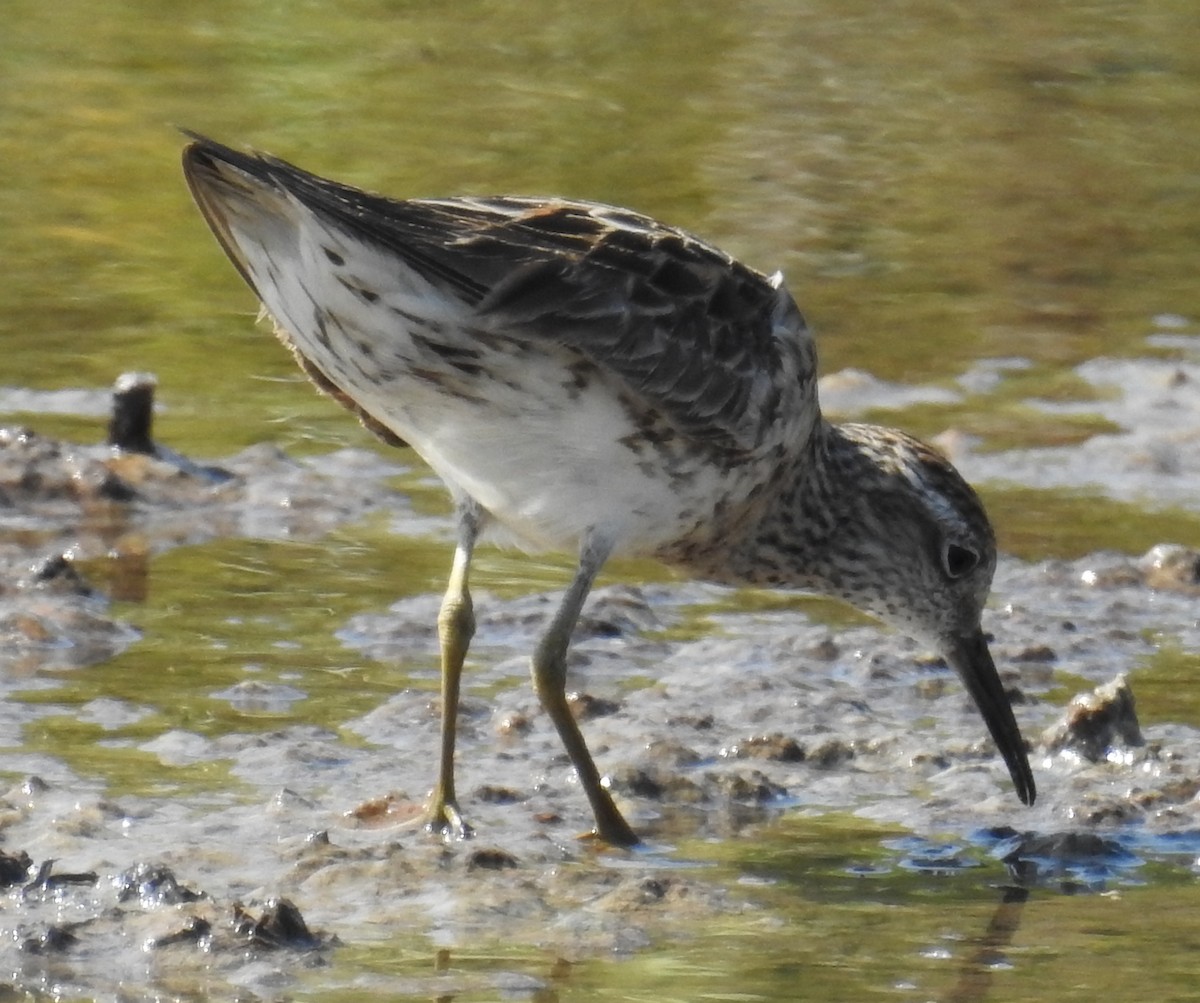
(581, 376)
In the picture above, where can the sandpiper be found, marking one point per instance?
(582, 376)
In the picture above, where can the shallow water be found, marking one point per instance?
(974, 205)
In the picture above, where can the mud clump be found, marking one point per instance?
(1097, 723)
(1171, 566)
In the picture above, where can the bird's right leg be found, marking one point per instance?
(456, 627)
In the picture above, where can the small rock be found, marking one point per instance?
(635, 894)
(585, 706)
(1173, 792)
(380, 812)
(1097, 722)
(656, 783)
(825, 650)
(46, 881)
(1171, 566)
(129, 426)
(153, 885)
(617, 612)
(515, 723)
(491, 859)
(54, 939)
(59, 573)
(640, 783)
(751, 788)
(492, 794)
(776, 747)
(1036, 653)
(700, 722)
(196, 930)
(280, 925)
(668, 754)
(1107, 810)
(830, 753)
(14, 868)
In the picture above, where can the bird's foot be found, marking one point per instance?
(442, 818)
(611, 828)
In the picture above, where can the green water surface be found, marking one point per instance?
(941, 182)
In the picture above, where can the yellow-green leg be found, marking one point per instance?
(550, 683)
(456, 627)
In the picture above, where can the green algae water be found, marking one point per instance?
(940, 183)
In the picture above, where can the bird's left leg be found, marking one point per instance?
(550, 682)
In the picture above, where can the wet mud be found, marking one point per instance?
(711, 717)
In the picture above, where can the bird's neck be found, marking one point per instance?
(789, 543)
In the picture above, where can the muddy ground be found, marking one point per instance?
(754, 715)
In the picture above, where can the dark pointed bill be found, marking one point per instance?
(973, 662)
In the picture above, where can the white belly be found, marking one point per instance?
(505, 421)
(547, 467)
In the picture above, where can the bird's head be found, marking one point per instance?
(911, 544)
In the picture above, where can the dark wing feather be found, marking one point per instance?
(717, 347)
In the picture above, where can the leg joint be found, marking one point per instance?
(456, 617)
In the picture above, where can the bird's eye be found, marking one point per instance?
(959, 560)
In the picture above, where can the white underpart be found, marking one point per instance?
(547, 467)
